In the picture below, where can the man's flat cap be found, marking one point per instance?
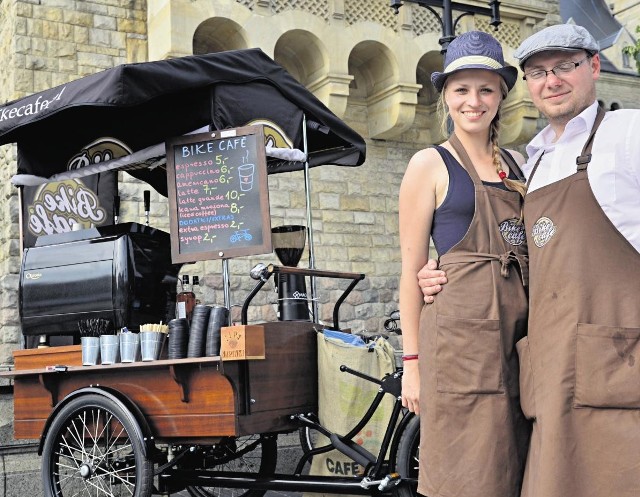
(560, 37)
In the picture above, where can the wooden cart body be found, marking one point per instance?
(199, 400)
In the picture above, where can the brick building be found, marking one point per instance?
(369, 66)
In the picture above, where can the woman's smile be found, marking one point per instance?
(473, 115)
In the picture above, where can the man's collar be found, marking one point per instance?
(546, 137)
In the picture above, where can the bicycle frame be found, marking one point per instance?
(390, 384)
(377, 476)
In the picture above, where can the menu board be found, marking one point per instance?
(218, 195)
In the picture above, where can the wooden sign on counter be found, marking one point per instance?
(218, 195)
(242, 342)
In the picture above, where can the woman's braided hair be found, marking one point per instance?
(494, 131)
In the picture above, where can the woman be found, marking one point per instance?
(460, 362)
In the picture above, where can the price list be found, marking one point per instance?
(218, 208)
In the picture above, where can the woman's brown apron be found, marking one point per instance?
(473, 435)
(581, 360)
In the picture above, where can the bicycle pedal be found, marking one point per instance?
(389, 481)
(367, 482)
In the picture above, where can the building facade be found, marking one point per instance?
(368, 65)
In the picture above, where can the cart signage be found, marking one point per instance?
(218, 195)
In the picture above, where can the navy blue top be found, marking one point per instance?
(451, 220)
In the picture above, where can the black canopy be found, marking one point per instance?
(142, 105)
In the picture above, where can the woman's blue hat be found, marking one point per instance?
(474, 50)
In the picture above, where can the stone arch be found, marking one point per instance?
(390, 102)
(303, 55)
(428, 63)
(374, 68)
(218, 34)
(428, 96)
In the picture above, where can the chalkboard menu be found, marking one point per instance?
(218, 195)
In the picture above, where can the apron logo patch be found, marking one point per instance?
(543, 231)
(512, 230)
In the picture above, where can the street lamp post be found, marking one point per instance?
(446, 19)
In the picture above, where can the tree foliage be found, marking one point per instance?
(634, 50)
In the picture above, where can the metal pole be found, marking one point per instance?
(446, 19)
(447, 26)
(226, 288)
(307, 191)
(20, 217)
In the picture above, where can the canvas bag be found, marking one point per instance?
(344, 398)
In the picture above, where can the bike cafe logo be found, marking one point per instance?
(58, 206)
(274, 135)
(543, 231)
(33, 276)
(102, 150)
(512, 230)
(33, 107)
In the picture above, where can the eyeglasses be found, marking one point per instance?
(558, 71)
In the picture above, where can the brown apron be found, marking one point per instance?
(473, 435)
(580, 378)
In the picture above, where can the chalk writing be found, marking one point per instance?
(218, 195)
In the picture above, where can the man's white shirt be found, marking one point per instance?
(614, 170)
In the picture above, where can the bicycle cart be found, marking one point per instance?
(207, 425)
(203, 424)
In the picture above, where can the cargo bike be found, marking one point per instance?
(206, 425)
(201, 425)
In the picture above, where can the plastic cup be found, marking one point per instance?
(90, 347)
(218, 318)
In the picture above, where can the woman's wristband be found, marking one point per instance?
(409, 357)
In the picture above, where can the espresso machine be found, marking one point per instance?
(288, 243)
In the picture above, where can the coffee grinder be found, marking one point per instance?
(288, 244)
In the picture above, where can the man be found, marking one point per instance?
(580, 364)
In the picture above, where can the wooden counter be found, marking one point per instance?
(198, 400)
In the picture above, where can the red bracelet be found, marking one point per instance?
(409, 357)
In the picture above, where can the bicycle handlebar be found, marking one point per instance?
(265, 273)
(347, 369)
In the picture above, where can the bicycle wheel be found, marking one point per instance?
(408, 458)
(251, 454)
(92, 449)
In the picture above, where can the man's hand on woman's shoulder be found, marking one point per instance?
(431, 279)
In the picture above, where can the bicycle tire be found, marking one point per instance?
(407, 459)
(260, 460)
(91, 448)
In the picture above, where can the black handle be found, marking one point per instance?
(147, 200)
(116, 208)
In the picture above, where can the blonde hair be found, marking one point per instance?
(494, 131)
